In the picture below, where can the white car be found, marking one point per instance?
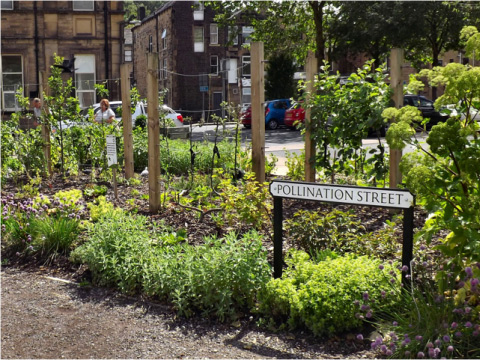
(141, 109)
(474, 113)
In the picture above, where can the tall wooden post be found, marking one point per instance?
(45, 127)
(127, 120)
(396, 61)
(258, 112)
(153, 133)
(311, 69)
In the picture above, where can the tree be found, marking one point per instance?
(279, 82)
(288, 26)
(131, 8)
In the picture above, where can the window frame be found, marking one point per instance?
(164, 68)
(79, 72)
(21, 85)
(6, 8)
(214, 67)
(214, 34)
(244, 63)
(164, 39)
(233, 30)
(125, 55)
(92, 8)
(196, 44)
(198, 10)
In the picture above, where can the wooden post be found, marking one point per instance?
(45, 128)
(127, 120)
(153, 133)
(311, 69)
(258, 112)
(396, 60)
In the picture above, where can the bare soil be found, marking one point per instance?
(48, 311)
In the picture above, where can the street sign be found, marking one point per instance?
(203, 88)
(111, 150)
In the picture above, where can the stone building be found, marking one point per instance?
(201, 64)
(88, 32)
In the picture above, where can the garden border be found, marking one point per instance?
(341, 194)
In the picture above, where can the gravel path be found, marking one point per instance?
(46, 315)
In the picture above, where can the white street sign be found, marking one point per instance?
(111, 150)
(356, 195)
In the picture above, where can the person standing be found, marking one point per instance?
(105, 114)
(37, 112)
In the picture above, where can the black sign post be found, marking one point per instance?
(341, 194)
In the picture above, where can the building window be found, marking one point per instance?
(198, 10)
(7, 5)
(246, 33)
(164, 39)
(165, 73)
(213, 34)
(246, 66)
(12, 79)
(440, 62)
(85, 79)
(233, 35)
(214, 64)
(150, 43)
(198, 39)
(83, 5)
(128, 55)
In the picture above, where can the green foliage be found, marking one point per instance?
(279, 82)
(92, 190)
(295, 165)
(218, 278)
(342, 115)
(102, 208)
(433, 323)
(141, 121)
(21, 148)
(321, 295)
(53, 236)
(317, 231)
(445, 176)
(249, 202)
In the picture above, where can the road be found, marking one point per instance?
(277, 142)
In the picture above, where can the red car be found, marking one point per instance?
(246, 117)
(294, 116)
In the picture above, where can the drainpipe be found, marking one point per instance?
(37, 66)
(107, 57)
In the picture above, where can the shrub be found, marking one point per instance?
(317, 231)
(323, 296)
(218, 278)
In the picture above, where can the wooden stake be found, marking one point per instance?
(153, 133)
(396, 60)
(258, 113)
(311, 69)
(127, 120)
(45, 129)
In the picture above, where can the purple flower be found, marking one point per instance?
(420, 355)
(468, 324)
(438, 342)
(388, 352)
(365, 307)
(356, 302)
(419, 337)
(454, 325)
(368, 315)
(383, 348)
(407, 354)
(392, 280)
(365, 296)
(404, 268)
(450, 348)
(360, 337)
(422, 247)
(395, 323)
(458, 334)
(430, 345)
(446, 338)
(431, 353)
(469, 271)
(468, 310)
(383, 293)
(437, 351)
(380, 267)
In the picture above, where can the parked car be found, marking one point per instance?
(452, 111)
(294, 116)
(426, 107)
(274, 114)
(140, 109)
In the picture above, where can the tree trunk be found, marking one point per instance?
(317, 8)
